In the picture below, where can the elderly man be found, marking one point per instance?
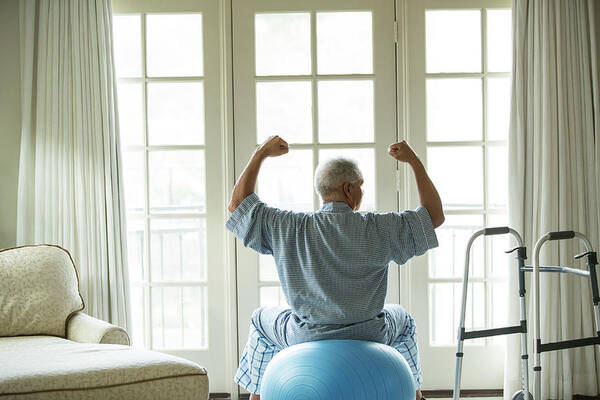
(332, 263)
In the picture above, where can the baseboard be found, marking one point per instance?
(445, 394)
(433, 394)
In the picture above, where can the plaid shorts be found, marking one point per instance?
(260, 350)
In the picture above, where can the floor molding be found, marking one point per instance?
(433, 394)
(444, 394)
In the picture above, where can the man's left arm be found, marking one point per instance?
(272, 147)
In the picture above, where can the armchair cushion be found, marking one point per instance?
(85, 329)
(46, 367)
(39, 291)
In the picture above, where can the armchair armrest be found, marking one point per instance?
(85, 329)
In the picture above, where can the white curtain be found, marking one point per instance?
(554, 160)
(70, 183)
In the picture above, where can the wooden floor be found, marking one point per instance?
(471, 396)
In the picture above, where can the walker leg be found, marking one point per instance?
(458, 369)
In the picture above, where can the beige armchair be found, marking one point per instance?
(50, 349)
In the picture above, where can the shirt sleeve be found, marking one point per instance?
(412, 234)
(252, 222)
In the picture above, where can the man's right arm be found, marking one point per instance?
(428, 194)
(274, 146)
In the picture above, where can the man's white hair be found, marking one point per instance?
(333, 172)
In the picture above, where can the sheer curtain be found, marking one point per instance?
(554, 163)
(70, 183)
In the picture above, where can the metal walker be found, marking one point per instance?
(592, 261)
(521, 328)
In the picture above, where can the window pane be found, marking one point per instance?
(345, 43)
(498, 108)
(286, 182)
(458, 175)
(453, 40)
(268, 270)
(346, 111)
(127, 33)
(283, 44)
(178, 249)
(131, 113)
(499, 40)
(135, 249)
(365, 158)
(444, 310)
(174, 44)
(138, 307)
(448, 260)
(175, 113)
(272, 296)
(133, 175)
(179, 317)
(499, 312)
(284, 108)
(454, 110)
(497, 169)
(177, 181)
(500, 262)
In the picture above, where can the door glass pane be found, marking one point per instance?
(272, 296)
(499, 40)
(498, 108)
(178, 249)
(284, 108)
(497, 168)
(268, 270)
(444, 310)
(127, 31)
(500, 309)
(175, 113)
(345, 43)
(346, 111)
(453, 40)
(454, 110)
(133, 175)
(500, 262)
(135, 249)
(283, 44)
(137, 306)
(177, 181)
(365, 158)
(286, 182)
(131, 113)
(458, 175)
(179, 317)
(174, 44)
(448, 260)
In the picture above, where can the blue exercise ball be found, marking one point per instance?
(338, 369)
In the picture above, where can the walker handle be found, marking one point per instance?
(496, 231)
(560, 235)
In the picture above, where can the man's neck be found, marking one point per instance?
(335, 200)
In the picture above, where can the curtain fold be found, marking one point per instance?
(554, 151)
(70, 179)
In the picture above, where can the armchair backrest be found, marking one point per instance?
(39, 291)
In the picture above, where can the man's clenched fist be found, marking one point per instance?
(272, 147)
(401, 151)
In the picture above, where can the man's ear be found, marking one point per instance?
(347, 189)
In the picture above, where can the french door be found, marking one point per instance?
(459, 62)
(167, 62)
(321, 74)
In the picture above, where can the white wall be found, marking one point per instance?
(10, 119)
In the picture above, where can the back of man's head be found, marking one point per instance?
(331, 174)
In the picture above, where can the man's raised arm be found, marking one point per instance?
(272, 147)
(428, 195)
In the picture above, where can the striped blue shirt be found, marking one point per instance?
(333, 263)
